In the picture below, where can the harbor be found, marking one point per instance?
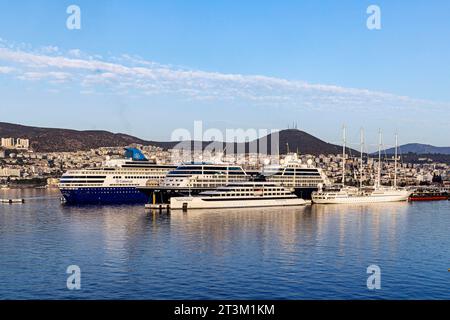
(196, 185)
(224, 159)
(303, 252)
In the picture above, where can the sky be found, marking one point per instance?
(147, 68)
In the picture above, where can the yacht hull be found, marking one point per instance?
(204, 203)
(362, 199)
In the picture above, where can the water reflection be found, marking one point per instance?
(318, 251)
(217, 231)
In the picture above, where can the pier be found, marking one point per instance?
(12, 201)
(157, 206)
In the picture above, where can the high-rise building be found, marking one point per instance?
(7, 142)
(22, 143)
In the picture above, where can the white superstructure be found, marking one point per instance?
(116, 173)
(239, 195)
(203, 175)
(293, 173)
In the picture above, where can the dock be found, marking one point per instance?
(12, 201)
(157, 206)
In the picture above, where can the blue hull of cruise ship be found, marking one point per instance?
(124, 195)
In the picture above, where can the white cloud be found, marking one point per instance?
(124, 73)
(74, 53)
(49, 49)
(6, 69)
(58, 77)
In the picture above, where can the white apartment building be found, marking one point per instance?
(22, 143)
(9, 172)
(11, 143)
(7, 142)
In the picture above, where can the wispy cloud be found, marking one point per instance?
(139, 76)
(6, 69)
(53, 76)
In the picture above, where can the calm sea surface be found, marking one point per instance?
(316, 252)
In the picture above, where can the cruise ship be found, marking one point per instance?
(115, 182)
(239, 195)
(302, 178)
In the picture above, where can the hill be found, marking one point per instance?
(418, 148)
(60, 140)
(54, 139)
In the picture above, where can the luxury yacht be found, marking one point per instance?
(239, 195)
(351, 195)
(348, 195)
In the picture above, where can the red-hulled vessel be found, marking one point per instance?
(429, 194)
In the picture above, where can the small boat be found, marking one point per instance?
(12, 201)
(239, 195)
(429, 194)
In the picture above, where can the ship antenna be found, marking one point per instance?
(361, 165)
(344, 140)
(395, 165)
(379, 157)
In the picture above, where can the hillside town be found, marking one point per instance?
(21, 166)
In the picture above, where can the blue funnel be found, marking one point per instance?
(135, 154)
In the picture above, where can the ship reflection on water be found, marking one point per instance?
(309, 252)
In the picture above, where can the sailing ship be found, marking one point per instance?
(349, 195)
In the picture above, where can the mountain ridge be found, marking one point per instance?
(60, 140)
(418, 148)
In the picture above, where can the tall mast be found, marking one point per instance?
(361, 160)
(343, 154)
(379, 158)
(395, 166)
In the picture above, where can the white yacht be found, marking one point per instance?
(350, 195)
(239, 195)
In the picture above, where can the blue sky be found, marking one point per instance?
(149, 67)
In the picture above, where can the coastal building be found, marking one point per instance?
(9, 172)
(8, 143)
(22, 143)
(11, 143)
